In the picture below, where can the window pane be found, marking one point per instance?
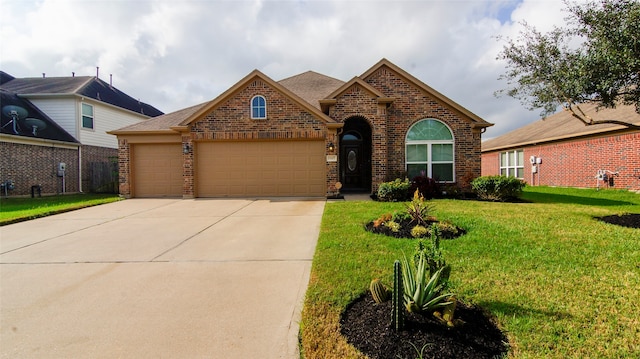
(520, 173)
(442, 152)
(416, 170)
(520, 158)
(512, 158)
(503, 171)
(416, 153)
(87, 122)
(429, 130)
(442, 171)
(87, 110)
(503, 159)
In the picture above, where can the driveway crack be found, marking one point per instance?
(154, 259)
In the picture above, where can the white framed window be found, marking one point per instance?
(512, 163)
(87, 116)
(258, 107)
(429, 150)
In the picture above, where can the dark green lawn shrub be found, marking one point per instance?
(394, 191)
(497, 188)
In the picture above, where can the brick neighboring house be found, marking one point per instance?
(71, 116)
(306, 135)
(570, 153)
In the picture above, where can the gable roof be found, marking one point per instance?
(311, 86)
(354, 81)
(563, 126)
(255, 74)
(87, 86)
(29, 116)
(476, 120)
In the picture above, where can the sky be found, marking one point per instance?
(178, 53)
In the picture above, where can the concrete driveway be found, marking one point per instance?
(158, 278)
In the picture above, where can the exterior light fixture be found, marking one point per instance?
(186, 148)
(331, 147)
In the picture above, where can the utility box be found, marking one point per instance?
(61, 168)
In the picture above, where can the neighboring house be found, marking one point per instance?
(51, 120)
(561, 151)
(307, 135)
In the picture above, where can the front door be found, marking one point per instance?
(355, 162)
(352, 165)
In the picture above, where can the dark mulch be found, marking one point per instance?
(367, 326)
(405, 230)
(631, 220)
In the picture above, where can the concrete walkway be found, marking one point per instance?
(158, 278)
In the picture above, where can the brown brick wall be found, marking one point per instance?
(28, 165)
(575, 163)
(124, 167)
(358, 102)
(411, 105)
(231, 120)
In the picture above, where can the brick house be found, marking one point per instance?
(561, 151)
(71, 116)
(306, 135)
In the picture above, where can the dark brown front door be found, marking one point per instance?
(355, 157)
(352, 166)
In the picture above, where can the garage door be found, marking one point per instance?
(157, 170)
(242, 169)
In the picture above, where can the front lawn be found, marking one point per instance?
(14, 209)
(559, 283)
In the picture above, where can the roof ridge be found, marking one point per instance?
(84, 84)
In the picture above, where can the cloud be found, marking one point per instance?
(174, 54)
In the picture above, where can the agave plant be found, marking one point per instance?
(422, 293)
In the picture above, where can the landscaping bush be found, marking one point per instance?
(427, 187)
(394, 191)
(497, 188)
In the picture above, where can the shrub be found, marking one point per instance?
(393, 226)
(422, 292)
(401, 217)
(382, 220)
(497, 188)
(419, 231)
(418, 209)
(427, 187)
(394, 191)
(433, 255)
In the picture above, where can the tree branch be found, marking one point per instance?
(589, 121)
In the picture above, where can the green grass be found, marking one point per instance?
(20, 209)
(558, 282)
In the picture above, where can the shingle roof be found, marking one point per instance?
(30, 116)
(87, 86)
(311, 86)
(161, 123)
(562, 126)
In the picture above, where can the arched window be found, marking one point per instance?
(258, 107)
(429, 150)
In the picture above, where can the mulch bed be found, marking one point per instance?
(631, 220)
(367, 326)
(407, 225)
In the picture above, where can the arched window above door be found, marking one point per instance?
(429, 151)
(352, 136)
